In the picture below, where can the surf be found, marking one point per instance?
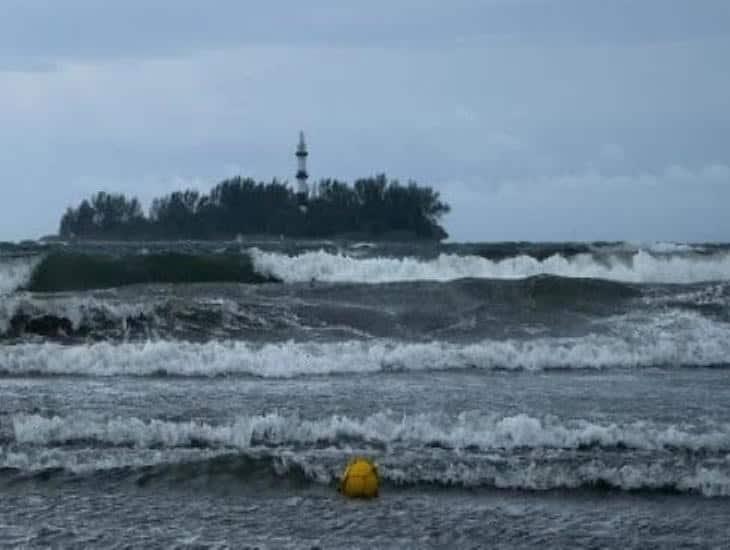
(640, 267)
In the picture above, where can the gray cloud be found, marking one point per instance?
(676, 203)
(137, 28)
(502, 95)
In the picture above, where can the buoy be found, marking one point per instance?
(360, 479)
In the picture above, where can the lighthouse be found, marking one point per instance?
(302, 187)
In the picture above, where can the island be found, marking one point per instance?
(373, 208)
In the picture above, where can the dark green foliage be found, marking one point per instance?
(373, 207)
(60, 271)
(105, 216)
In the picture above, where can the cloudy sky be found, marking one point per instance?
(536, 119)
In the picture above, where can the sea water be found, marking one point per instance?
(512, 395)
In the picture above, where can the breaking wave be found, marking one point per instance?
(467, 451)
(23, 312)
(465, 431)
(250, 468)
(641, 267)
(222, 311)
(536, 476)
(72, 317)
(672, 341)
(67, 270)
(16, 272)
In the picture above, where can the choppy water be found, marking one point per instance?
(512, 394)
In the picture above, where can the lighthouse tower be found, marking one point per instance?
(302, 187)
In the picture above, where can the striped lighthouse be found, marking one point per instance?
(301, 154)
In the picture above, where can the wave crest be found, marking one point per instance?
(15, 272)
(670, 342)
(641, 267)
(518, 452)
(464, 431)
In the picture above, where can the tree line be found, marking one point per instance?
(375, 206)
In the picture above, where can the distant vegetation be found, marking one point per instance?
(372, 207)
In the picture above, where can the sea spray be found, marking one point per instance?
(695, 342)
(641, 267)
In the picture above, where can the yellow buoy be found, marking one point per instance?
(360, 479)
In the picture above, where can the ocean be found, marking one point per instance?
(513, 395)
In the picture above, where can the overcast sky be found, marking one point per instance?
(535, 119)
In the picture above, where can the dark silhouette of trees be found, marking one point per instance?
(110, 216)
(177, 213)
(373, 207)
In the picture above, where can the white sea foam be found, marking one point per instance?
(16, 272)
(465, 430)
(670, 339)
(672, 248)
(641, 267)
(714, 294)
(536, 476)
(655, 247)
(88, 460)
(705, 479)
(77, 309)
(516, 452)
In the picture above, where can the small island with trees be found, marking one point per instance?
(373, 208)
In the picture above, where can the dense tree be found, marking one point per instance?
(106, 215)
(238, 206)
(177, 213)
